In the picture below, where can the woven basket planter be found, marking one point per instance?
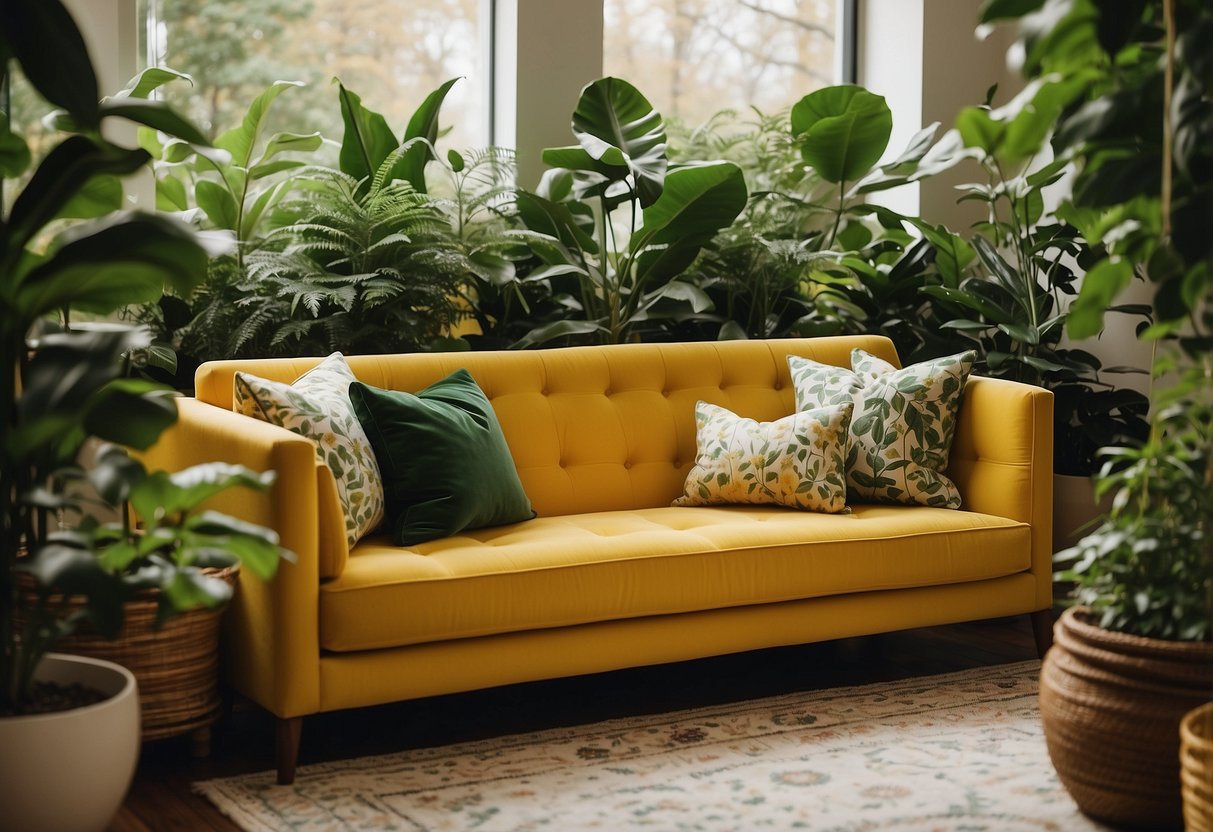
(1111, 704)
(1196, 768)
(176, 665)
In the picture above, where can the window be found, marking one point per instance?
(693, 58)
(389, 52)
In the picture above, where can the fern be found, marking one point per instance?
(363, 273)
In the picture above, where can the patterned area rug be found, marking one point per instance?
(961, 751)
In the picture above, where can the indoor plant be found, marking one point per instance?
(60, 389)
(621, 279)
(1137, 134)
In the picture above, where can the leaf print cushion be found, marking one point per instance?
(317, 405)
(797, 461)
(902, 428)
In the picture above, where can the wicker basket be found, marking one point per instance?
(1196, 768)
(1110, 705)
(176, 665)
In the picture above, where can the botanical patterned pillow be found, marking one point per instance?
(901, 433)
(797, 461)
(318, 406)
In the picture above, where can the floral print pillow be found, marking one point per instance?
(318, 406)
(797, 461)
(904, 420)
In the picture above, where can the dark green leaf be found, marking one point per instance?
(616, 124)
(154, 114)
(60, 176)
(43, 37)
(131, 412)
(695, 204)
(102, 265)
(367, 140)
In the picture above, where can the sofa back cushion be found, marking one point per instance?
(594, 428)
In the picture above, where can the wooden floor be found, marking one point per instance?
(161, 799)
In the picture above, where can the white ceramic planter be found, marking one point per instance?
(69, 771)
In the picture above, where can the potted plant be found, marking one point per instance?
(60, 389)
(1136, 655)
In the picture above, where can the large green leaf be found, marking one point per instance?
(187, 489)
(554, 219)
(44, 39)
(695, 204)
(103, 265)
(100, 195)
(367, 140)
(577, 158)
(131, 411)
(62, 174)
(240, 141)
(842, 131)
(616, 124)
(423, 125)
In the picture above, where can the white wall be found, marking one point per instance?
(547, 51)
(924, 57)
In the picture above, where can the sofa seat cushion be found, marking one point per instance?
(575, 569)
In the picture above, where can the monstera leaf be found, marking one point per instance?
(619, 129)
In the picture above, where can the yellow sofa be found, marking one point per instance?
(608, 575)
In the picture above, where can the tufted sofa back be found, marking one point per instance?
(593, 428)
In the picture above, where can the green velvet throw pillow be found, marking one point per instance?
(444, 460)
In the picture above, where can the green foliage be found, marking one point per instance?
(1145, 569)
(1013, 305)
(63, 388)
(1136, 129)
(808, 255)
(368, 273)
(624, 286)
(359, 259)
(237, 183)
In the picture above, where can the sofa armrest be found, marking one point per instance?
(1002, 462)
(273, 649)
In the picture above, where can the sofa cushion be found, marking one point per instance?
(573, 569)
(798, 461)
(902, 427)
(446, 466)
(317, 405)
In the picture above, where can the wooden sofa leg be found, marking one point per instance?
(1042, 629)
(289, 731)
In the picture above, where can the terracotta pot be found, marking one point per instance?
(69, 771)
(1111, 704)
(1196, 768)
